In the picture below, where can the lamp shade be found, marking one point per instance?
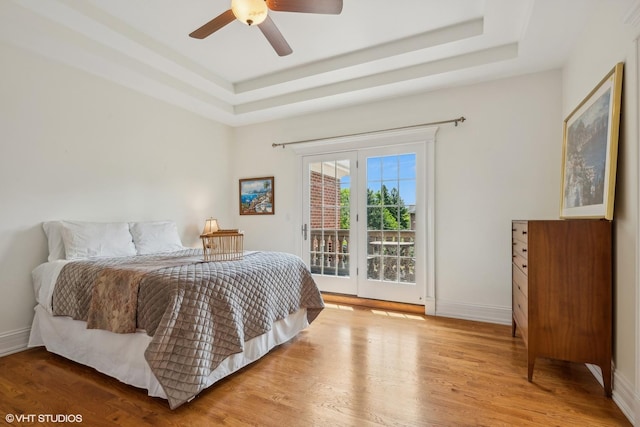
(210, 226)
(250, 12)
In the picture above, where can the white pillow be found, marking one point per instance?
(53, 230)
(97, 239)
(155, 237)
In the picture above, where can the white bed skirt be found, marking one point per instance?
(121, 356)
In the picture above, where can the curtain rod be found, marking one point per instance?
(460, 119)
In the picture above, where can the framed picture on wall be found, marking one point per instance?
(590, 151)
(257, 196)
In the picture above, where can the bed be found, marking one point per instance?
(130, 301)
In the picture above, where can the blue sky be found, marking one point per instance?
(392, 171)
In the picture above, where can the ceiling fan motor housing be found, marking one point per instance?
(250, 12)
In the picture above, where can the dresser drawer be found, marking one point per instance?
(520, 314)
(520, 301)
(519, 231)
(520, 248)
(521, 263)
(520, 280)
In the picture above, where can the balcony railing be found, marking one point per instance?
(390, 254)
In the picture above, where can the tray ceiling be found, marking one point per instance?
(374, 50)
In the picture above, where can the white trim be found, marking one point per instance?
(14, 341)
(430, 306)
(623, 395)
(636, 105)
(430, 294)
(476, 312)
(415, 134)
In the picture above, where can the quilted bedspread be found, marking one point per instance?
(197, 312)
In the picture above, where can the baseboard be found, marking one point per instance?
(623, 393)
(481, 313)
(14, 341)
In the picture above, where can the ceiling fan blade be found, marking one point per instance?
(214, 25)
(330, 7)
(275, 37)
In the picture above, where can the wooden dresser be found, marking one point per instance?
(562, 291)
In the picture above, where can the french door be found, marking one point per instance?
(364, 222)
(330, 245)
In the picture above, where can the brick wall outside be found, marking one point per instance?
(327, 201)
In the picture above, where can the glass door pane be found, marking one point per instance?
(329, 217)
(391, 195)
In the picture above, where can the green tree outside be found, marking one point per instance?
(385, 210)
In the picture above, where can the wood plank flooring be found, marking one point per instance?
(351, 367)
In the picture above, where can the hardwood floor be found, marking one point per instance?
(351, 367)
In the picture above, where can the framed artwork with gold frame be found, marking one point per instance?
(590, 151)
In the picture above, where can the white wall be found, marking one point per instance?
(501, 164)
(74, 146)
(606, 41)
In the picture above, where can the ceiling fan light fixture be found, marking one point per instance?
(250, 12)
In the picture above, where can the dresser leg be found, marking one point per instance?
(513, 327)
(606, 378)
(530, 362)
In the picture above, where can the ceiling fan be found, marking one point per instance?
(255, 12)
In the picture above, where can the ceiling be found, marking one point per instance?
(374, 50)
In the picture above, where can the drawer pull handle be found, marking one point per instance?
(524, 249)
(513, 229)
(524, 265)
(524, 232)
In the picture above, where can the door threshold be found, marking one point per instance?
(372, 303)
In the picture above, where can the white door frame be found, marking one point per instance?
(417, 134)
